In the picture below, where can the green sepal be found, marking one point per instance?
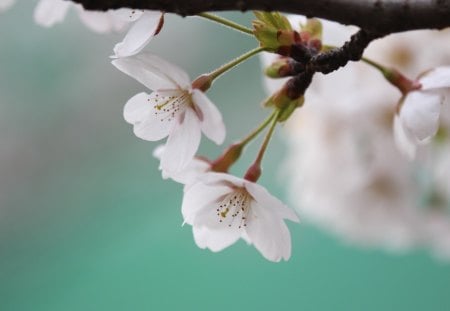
(314, 27)
(290, 108)
(267, 27)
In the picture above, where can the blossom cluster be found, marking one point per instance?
(369, 146)
(370, 162)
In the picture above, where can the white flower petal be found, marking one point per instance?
(436, 78)
(405, 144)
(268, 234)
(153, 72)
(211, 123)
(139, 35)
(158, 152)
(198, 197)
(266, 200)
(137, 108)
(213, 178)
(182, 143)
(49, 12)
(191, 173)
(148, 125)
(420, 114)
(215, 240)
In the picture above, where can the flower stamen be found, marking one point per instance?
(237, 205)
(167, 107)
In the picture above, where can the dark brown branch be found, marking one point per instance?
(381, 16)
(332, 60)
(325, 62)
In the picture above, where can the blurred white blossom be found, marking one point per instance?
(50, 12)
(346, 172)
(6, 4)
(144, 24)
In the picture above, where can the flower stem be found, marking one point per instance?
(204, 81)
(375, 65)
(395, 77)
(226, 22)
(224, 68)
(258, 130)
(266, 141)
(254, 171)
(233, 152)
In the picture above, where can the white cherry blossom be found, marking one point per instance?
(145, 24)
(418, 118)
(174, 110)
(222, 209)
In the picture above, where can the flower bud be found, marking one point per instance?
(253, 173)
(313, 27)
(284, 67)
(273, 30)
(224, 162)
(202, 82)
(396, 78)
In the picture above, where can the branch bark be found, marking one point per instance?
(378, 16)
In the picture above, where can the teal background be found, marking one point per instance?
(86, 223)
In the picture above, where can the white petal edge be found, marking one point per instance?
(50, 12)
(436, 78)
(137, 108)
(215, 240)
(153, 72)
(404, 143)
(191, 173)
(266, 200)
(268, 233)
(213, 178)
(419, 114)
(211, 123)
(139, 35)
(139, 112)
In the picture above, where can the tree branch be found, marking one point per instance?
(380, 16)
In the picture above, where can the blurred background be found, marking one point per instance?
(87, 223)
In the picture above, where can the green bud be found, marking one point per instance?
(290, 108)
(227, 159)
(314, 27)
(278, 68)
(273, 30)
(273, 19)
(285, 102)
